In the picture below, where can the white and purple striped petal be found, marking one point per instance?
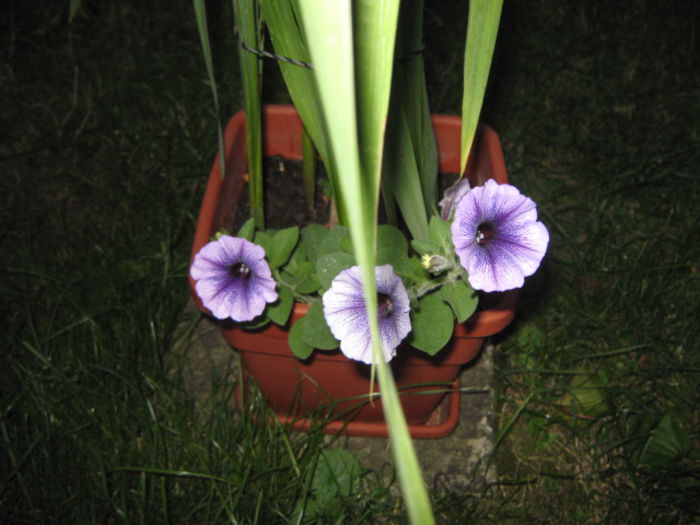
(346, 314)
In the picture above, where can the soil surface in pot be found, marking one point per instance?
(283, 193)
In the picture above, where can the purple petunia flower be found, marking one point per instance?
(233, 278)
(497, 237)
(346, 315)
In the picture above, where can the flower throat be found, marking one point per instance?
(384, 305)
(485, 232)
(240, 271)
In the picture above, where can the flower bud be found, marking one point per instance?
(434, 264)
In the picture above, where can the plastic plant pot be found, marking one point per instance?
(329, 381)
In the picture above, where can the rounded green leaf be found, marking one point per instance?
(264, 239)
(330, 265)
(301, 277)
(432, 324)
(461, 298)
(296, 340)
(316, 332)
(247, 231)
(283, 242)
(332, 242)
(279, 311)
(392, 247)
(312, 237)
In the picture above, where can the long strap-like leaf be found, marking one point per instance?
(248, 27)
(484, 16)
(201, 16)
(288, 40)
(356, 155)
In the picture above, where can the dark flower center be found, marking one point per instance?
(384, 305)
(240, 271)
(485, 232)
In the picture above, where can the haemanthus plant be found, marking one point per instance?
(354, 71)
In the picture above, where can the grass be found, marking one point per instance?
(107, 130)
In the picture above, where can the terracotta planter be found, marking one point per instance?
(294, 387)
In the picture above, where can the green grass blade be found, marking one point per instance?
(203, 30)
(484, 16)
(248, 26)
(328, 27)
(73, 9)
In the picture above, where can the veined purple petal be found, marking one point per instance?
(497, 237)
(346, 314)
(233, 278)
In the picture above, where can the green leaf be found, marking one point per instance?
(289, 40)
(413, 273)
(312, 238)
(336, 472)
(316, 332)
(482, 28)
(247, 231)
(302, 277)
(333, 240)
(308, 284)
(586, 396)
(279, 311)
(441, 234)
(346, 245)
(73, 9)
(374, 26)
(411, 94)
(401, 178)
(355, 115)
(296, 340)
(259, 322)
(298, 257)
(330, 265)
(432, 324)
(201, 17)
(392, 247)
(248, 27)
(426, 247)
(308, 170)
(461, 298)
(264, 239)
(283, 242)
(334, 479)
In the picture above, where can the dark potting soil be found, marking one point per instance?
(283, 195)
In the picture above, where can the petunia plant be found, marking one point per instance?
(485, 239)
(354, 71)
